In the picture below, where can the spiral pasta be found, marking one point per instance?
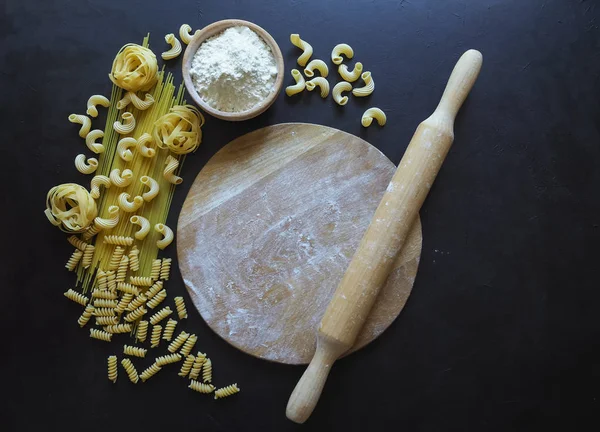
(178, 342)
(160, 315)
(179, 130)
(111, 281)
(167, 359)
(186, 367)
(321, 82)
(152, 184)
(201, 387)
(169, 172)
(197, 366)
(368, 87)
(90, 141)
(88, 254)
(131, 97)
(118, 240)
(227, 391)
(141, 281)
(299, 86)
(144, 226)
(336, 93)
(136, 314)
(338, 50)
(100, 335)
(157, 299)
(100, 294)
(122, 269)
(319, 65)
(155, 270)
(101, 280)
(130, 206)
(70, 207)
(112, 368)
(188, 346)
(134, 68)
(143, 145)
(373, 113)
(306, 48)
(154, 289)
(175, 47)
(141, 332)
(97, 181)
(169, 329)
(130, 370)
(77, 243)
(85, 167)
(134, 259)
(150, 371)
(167, 233)
(140, 300)
(353, 75)
(74, 260)
(207, 370)
(90, 232)
(84, 121)
(105, 303)
(104, 312)
(155, 337)
(93, 101)
(134, 351)
(85, 315)
(111, 221)
(165, 268)
(107, 321)
(118, 328)
(128, 288)
(115, 258)
(180, 306)
(124, 146)
(185, 33)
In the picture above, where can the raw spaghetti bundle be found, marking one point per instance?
(179, 129)
(134, 68)
(70, 207)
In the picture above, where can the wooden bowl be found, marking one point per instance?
(212, 30)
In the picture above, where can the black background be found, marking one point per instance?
(502, 330)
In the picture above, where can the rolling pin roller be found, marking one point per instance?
(384, 238)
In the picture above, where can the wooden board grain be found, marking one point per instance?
(268, 229)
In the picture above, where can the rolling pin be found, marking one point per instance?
(384, 238)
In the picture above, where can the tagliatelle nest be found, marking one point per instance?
(179, 130)
(70, 207)
(134, 68)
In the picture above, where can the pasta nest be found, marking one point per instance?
(179, 130)
(134, 68)
(70, 207)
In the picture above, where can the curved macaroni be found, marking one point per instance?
(316, 64)
(142, 331)
(85, 167)
(165, 268)
(76, 297)
(179, 130)
(186, 367)
(130, 369)
(153, 188)
(178, 342)
(111, 221)
(143, 147)
(144, 226)
(90, 141)
(321, 82)
(100, 335)
(130, 206)
(134, 351)
(134, 68)
(155, 338)
(121, 179)
(97, 181)
(373, 113)
(124, 146)
(227, 391)
(70, 207)
(160, 315)
(167, 235)
(150, 371)
(368, 88)
(125, 127)
(336, 93)
(175, 47)
(169, 329)
(201, 387)
(353, 75)
(86, 315)
(96, 100)
(299, 86)
(338, 50)
(185, 33)
(112, 368)
(304, 46)
(84, 121)
(171, 165)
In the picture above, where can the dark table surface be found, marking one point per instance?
(502, 330)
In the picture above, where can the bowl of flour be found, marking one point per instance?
(233, 69)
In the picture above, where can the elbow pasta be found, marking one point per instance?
(90, 141)
(136, 314)
(141, 281)
(122, 269)
(86, 315)
(143, 145)
(175, 47)
(373, 113)
(155, 270)
(338, 50)
(118, 328)
(153, 188)
(353, 75)
(130, 206)
(88, 255)
(154, 289)
(322, 83)
(178, 342)
(167, 359)
(100, 335)
(130, 369)
(115, 258)
(368, 88)
(155, 337)
(299, 86)
(169, 172)
(118, 240)
(121, 179)
(97, 181)
(157, 299)
(84, 121)
(336, 93)
(142, 331)
(127, 126)
(112, 368)
(167, 235)
(77, 243)
(107, 321)
(160, 315)
(105, 303)
(128, 288)
(188, 346)
(134, 351)
(165, 268)
(111, 221)
(227, 391)
(134, 259)
(74, 260)
(149, 372)
(144, 226)
(95, 100)
(201, 387)
(186, 367)
(124, 146)
(304, 46)
(169, 329)
(85, 167)
(180, 305)
(319, 65)
(185, 33)
(207, 371)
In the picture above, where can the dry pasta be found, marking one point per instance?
(152, 184)
(157, 299)
(188, 346)
(100, 335)
(299, 86)
(112, 368)
(306, 48)
(368, 87)
(186, 367)
(85, 166)
(70, 207)
(338, 50)
(165, 268)
(144, 226)
(227, 391)
(179, 130)
(134, 68)
(127, 205)
(104, 312)
(336, 93)
(169, 172)
(118, 240)
(124, 148)
(97, 181)
(136, 314)
(84, 121)
(88, 254)
(130, 370)
(126, 126)
(319, 65)
(150, 371)
(321, 82)
(197, 366)
(111, 281)
(111, 221)
(141, 281)
(104, 295)
(95, 100)
(180, 305)
(107, 321)
(185, 33)
(74, 260)
(115, 258)
(128, 288)
(101, 280)
(155, 337)
(134, 259)
(134, 351)
(90, 141)
(207, 370)
(118, 328)
(86, 315)
(373, 113)
(76, 242)
(160, 315)
(121, 179)
(201, 387)
(105, 303)
(167, 233)
(90, 232)
(353, 75)
(142, 331)
(131, 97)
(167, 359)
(140, 300)
(175, 47)
(169, 329)
(154, 289)
(143, 145)
(155, 270)
(178, 342)
(122, 269)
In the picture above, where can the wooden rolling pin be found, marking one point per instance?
(373, 260)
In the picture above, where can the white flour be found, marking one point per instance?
(234, 70)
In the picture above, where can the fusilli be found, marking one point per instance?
(76, 242)
(169, 329)
(165, 268)
(188, 346)
(167, 359)
(74, 260)
(201, 387)
(227, 391)
(100, 335)
(135, 314)
(128, 288)
(150, 371)
(155, 337)
(180, 305)
(134, 259)
(178, 342)
(142, 331)
(134, 351)
(157, 299)
(86, 315)
(207, 370)
(160, 315)
(112, 368)
(115, 258)
(118, 328)
(130, 369)
(155, 269)
(141, 281)
(186, 367)
(76, 297)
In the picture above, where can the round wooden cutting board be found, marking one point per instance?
(268, 229)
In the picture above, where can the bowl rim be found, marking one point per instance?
(211, 30)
